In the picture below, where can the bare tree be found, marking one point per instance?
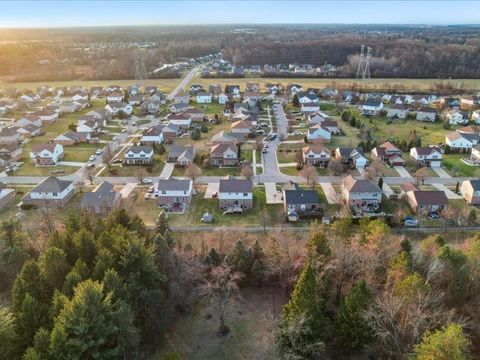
(48, 224)
(336, 167)
(220, 288)
(247, 171)
(88, 174)
(140, 175)
(309, 173)
(299, 157)
(373, 170)
(107, 156)
(193, 171)
(420, 175)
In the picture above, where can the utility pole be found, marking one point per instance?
(140, 69)
(361, 62)
(366, 70)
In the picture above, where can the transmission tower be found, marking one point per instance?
(361, 63)
(366, 70)
(140, 69)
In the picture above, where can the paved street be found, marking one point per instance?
(183, 83)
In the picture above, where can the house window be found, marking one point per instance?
(245, 194)
(54, 194)
(164, 192)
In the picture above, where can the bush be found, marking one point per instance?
(28, 206)
(204, 129)
(195, 134)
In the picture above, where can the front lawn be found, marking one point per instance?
(29, 169)
(455, 167)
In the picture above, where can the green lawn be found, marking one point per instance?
(284, 157)
(289, 170)
(154, 170)
(252, 217)
(28, 169)
(455, 167)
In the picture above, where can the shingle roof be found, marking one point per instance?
(171, 184)
(360, 185)
(52, 185)
(301, 196)
(235, 185)
(430, 197)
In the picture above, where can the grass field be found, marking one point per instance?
(373, 84)
(455, 167)
(165, 85)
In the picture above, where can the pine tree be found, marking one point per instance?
(351, 328)
(346, 115)
(380, 183)
(318, 248)
(212, 258)
(306, 306)
(296, 101)
(7, 334)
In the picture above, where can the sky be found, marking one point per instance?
(121, 12)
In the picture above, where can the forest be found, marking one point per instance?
(105, 53)
(109, 288)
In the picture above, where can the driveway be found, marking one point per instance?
(71, 163)
(211, 188)
(441, 172)
(273, 196)
(167, 170)
(127, 189)
(450, 194)
(330, 193)
(403, 172)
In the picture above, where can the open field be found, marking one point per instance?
(372, 84)
(165, 85)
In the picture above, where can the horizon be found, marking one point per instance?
(88, 14)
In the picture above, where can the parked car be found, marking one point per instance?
(151, 189)
(147, 196)
(410, 221)
(117, 161)
(92, 157)
(99, 152)
(146, 181)
(264, 150)
(433, 215)
(124, 131)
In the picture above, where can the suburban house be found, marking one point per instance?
(461, 140)
(115, 107)
(360, 192)
(317, 117)
(150, 89)
(475, 154)
(28, 131)
(204, 97)
(31, 119)
(174, 194)
(318, 132)
(425, 202)
(316, 155)
(308, 97)
(159, 134)
(46, 154)
(426, 114)
(470, 189)
(138, 155)
(195, 114)
(178, 107)
(9, 135)
(115, 96)
(152, 107)
(51, 192)
(234, 90)
(298, 202)
(70, 137)
(352, 157)
(181, 98)
(456, 117)
(183, 120)
(309, 107)
(252, 87)
(371, 107)
(10, 153)
(6, 196)
(47, 115)
(294, 88)
(227, 138)
(222, 99)
(102, 200)
(224, 154)
(475, 116)
(332, 126)
(181, 155)
(136, 100)
(273, 88)
(241, 127)
(389, 154)
(470, 102)
(426, 156)
(195, 88)
(235, 193)
(397, 111)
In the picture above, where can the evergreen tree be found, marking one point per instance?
(380, 183)
(305, 307)
(353, 121)
(86, 327)
(447, 344)
(318, 249)
(296, 101)
(346, 115)
(353, 331)
(212, 258)
(7, 334)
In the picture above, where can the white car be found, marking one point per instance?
(115, 138)
(93, 157)
(99, 152)
(124, 130)
(146, 181)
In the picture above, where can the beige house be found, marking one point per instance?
(360, 192)
(470, 190)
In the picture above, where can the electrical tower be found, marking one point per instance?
(361, 62)
(140, 69)
(363, 69)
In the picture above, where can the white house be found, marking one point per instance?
(222, 99)
(427, 156)
(204, 98)
(310, 107)
(318, 132)
(426, 114)
(371, 107)
(460, 140)
(138, 155)
(307, 97)
(115, 96)
(316, 155)
(46, 154)
(455, 117)
(174, 194)
(184, 121)
(50, 192)
(476, 116)
(241, 127)
(115, 107)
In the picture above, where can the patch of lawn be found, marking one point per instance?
(289, 170)
(284, 157)
(259, 215)
(220, 171)
(29, 169)
(455, 167)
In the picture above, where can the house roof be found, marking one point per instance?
(388, 146)
(178, 150)
(235, 185)
(52, 185)
(40, 147)
(425, 150)
(360, 185)
(171, 184)
(372, 102)
(427, 110)
(315, 149)
(241, 124)
(409, 186)
(475, 184)
(301, 196)
(348, 151)
(139, 149)
(399, 107)
(99, 199)
(222, 147)
(105, 186)
(436, 197)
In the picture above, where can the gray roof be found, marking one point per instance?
(475, 184)
(139, 149)
(52, 185)
(235, 185)
(171, 184)
(360, 185)
(99, 199)
(104, 187)
(177, 150)
(430, 197)
(301, 196)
